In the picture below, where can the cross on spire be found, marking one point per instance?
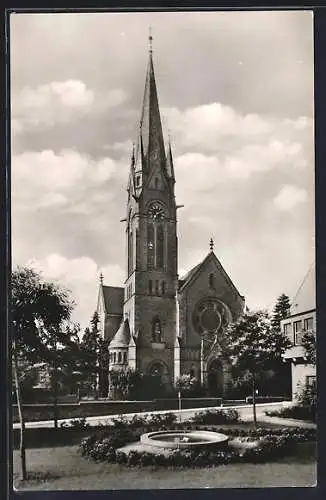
(211, 244)
(101, 278)
(150, 40)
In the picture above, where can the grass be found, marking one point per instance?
(63, 468)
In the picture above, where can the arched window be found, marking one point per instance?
(150, 246)
(159, 246)
(156, 182)
(211, 280)
(163, 287)
(114, 357)
(130, 252)
(156, 330)
(125, 357)
(119, 357)
(157, 287)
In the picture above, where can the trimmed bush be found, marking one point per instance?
(298, 412)
(216, 417)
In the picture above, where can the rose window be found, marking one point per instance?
(210, 316)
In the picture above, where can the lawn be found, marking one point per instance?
(62, 468)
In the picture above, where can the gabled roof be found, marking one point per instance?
(113, 299)
(191, 275)
(122, 337)
(305, 298)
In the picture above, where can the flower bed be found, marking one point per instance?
(251, 445)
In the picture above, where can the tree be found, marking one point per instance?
(38, 309)
(90, 351)
(309, 345)
(252, 347)
(281, 380)
(281, 311)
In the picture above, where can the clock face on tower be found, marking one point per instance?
(156, 211)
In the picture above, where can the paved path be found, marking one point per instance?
(244, 411)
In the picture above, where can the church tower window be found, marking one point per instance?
(130, 252)
(150, 246)
(155, 236)
(150, 286)
(119, 357)
(114, 357)
(157, 287)
(156, 182)
(138, 181)
(211, 280)
(159, 246)
(125, 357)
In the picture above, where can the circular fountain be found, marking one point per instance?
(184, 439)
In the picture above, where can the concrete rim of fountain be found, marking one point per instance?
(184, 439)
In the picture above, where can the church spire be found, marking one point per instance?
(151, 133)
(169, 162)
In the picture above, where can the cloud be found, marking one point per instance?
(59, 102)
(45, 179)
(214, 127)
(289, 197)
(81, 276)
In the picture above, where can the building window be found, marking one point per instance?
(130, 252)
(125, 357)
(163, 287)
(114, 357)
(156, 330)
(211, 280)
(311, 381)
(150, 246)
(150, 286)
(297, 328)
(287, 328)
(119, 357)
(138, 181)
(156, 287)
(308, 324)
(159, 246)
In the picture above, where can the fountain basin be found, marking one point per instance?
(185, 439)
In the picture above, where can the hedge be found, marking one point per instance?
(298, 412)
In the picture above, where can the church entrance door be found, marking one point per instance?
(215, 378)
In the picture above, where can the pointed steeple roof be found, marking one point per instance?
(151, 133)
(169, 162)
(122, 337)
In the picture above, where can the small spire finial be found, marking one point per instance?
(150, 40)
(211, 244)
(101, 278)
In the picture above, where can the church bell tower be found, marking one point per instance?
(151, 243)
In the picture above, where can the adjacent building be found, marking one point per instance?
(302, 319)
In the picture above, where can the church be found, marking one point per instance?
(157, 322)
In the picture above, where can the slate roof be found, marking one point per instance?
(187, 278)
(113, 299)
(305, 298)
(122, 337)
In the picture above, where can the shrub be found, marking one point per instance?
(216, 417)
(298, 412)
(79, 424)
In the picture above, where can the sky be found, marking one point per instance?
(236, 96)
